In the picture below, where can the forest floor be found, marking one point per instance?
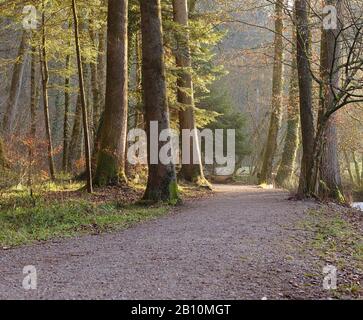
(241, 243)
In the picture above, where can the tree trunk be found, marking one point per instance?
(66, 117)
(101, 69)
(192, 171)
(330, 168)
(75, 141)
(357, 170)
(140, 108)
(45, 81)
(161, 185)
(330, 75)
(277, 91)
(111, 156)
(305, 89)
(83, 101)
(349, 168)
(287, 165)
(95, 89)
(15, 87)
(34, 95)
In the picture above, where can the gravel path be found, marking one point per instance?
(240, 244)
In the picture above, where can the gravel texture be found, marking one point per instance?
(241, 243)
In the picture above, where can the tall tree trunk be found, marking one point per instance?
(101, 69)
(15, 87)
(161, 185)
(287, 165)
(192, 171)
(45, 81)
(75, 140)
(277, 91)
(83, 101)
(331, 184)
(111, 156)
(349, 168)
(330, 168)
(140, 108)
(357, 170)
(96, 110)
(305, 89)
(34, 95)
(66, 117)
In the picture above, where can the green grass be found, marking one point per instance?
(337, 241)
(25, 224)
(46, 215)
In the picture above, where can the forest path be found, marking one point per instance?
(242, 243)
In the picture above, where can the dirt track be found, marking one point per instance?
(240, 244)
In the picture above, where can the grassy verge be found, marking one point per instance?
(337, 240)
(24, 225)
(61, 210)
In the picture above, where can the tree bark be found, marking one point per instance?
(349, 168)
(96, 103)
(34, 95)
(45, 81)
(161, 185)
(287, 164)
(357, 170)
(111, 156)
(75, 141)
(15, 87)
(192, 171)
(331, 184)
(83, 100)
(66, 117)
(305, 89)
(277, 88)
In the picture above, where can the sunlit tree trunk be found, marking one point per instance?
(287, 164)
(325, 179)
(45, 82)
(15, 87)
(305, 89)
(111, 156)
(277, 87)
(161, 185)
(192, 171)
(75, 140)
(83, 100)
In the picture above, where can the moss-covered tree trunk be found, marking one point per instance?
(276, 110)
(34, 100)
(66, 117)
(305, 89)
(331, 183)
(192, 171)
(111, 156)
(161, 185)
(287, 165)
